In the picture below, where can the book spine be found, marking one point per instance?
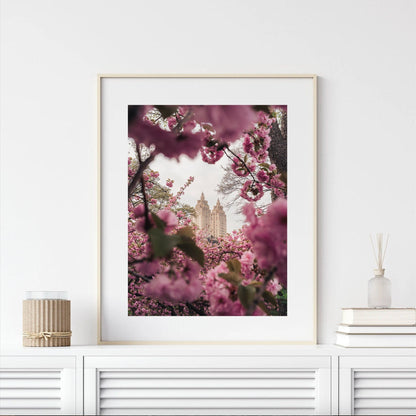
(377, 330)
(383, 317)
(376, 341)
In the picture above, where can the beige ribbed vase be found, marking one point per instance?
(46, 323)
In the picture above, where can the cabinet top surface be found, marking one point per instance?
(206, 350)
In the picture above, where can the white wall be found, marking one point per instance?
(363, 52)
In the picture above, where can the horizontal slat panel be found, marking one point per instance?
(208, 412)
(377, 411)
(216, 391)
(29, 374)
(20, 411)
(40, 386)
(30, 393)
(24, 383)
(384, 403)
(206, 403)
(207, 393)
(384, 393)
(385, 383)
(30, 403)
(207, 374)
(385, 374)
(210, 383)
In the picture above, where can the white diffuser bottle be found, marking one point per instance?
(379, 287)
(379, 290)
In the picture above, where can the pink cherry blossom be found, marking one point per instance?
(139, 211)
(147, 268)
(268, 235)
(172, 122)
(249, 210)
(218, 292)
(211, 151)
(247, 260)
(172, 144)
(140, 218)
(274, 286)
(169, 218)
(248, 145)
(257, 141)
(190, 270)
(211, 155)
(229, 121)
(186, 143)
(222, 295)
(265, 119)
(252, 191)
(185, 288)
(262, 176)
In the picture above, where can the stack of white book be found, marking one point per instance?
(365, 327)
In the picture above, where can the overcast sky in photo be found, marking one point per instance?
(207, 177)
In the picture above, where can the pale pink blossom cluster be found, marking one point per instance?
(268, 235)
(270, 179)
(211, 151)
(222, 295)
(147, 268)
(228, 121)
(172, 144)
(250, 272)
(256, 142)
(174, 199)
(185, 133)
(252, 191)
(181, 285)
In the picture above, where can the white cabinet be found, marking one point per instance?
(37, 385)
(198, 385)
(377, 385)
(208, 380)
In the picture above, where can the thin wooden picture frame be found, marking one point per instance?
(312, 339)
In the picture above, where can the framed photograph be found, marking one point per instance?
(207, 209)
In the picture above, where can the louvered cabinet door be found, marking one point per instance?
(207, 385)
(37, 385)
(382, 385)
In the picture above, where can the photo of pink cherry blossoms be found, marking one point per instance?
(207, 210)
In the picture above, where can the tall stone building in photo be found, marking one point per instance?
(203, 214)
(214, 222)
(218, 220)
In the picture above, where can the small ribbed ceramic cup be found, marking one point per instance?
(46, 319)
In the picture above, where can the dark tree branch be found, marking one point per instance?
(242, 161)
(139, 173)
(139, 276)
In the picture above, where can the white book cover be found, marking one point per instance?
(378, 329)
(376, 340)
(385, 317)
